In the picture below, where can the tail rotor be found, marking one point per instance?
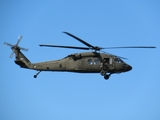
(15, 47)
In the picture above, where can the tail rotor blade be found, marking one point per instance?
(11, 55)
(25, 49)
(5, 43)
(19, 39)
(15, 47)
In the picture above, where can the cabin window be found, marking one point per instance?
(89, 61)
(96, 61)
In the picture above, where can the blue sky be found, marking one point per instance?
(58, 96)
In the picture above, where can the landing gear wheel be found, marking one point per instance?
(35, 76)
(106, 77)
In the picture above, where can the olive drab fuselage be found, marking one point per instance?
(87, 62)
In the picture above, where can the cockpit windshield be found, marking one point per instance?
(118, 60)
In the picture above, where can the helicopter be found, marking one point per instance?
(95, 61)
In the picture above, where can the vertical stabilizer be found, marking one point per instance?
(21, 59)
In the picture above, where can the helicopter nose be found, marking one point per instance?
(129, 67)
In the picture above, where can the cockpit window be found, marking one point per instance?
(118, 60)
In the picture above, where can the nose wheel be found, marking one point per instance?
(104, 69)
(104, 73)
(106, 77)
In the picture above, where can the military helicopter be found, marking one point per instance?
(86, 62)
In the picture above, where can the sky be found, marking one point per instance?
(133, 95)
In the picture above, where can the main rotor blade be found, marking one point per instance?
(130, 47)
(82, 41)
(5, 43)
(72, 47)
(115, 55)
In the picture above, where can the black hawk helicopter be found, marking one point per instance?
(86, 62)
